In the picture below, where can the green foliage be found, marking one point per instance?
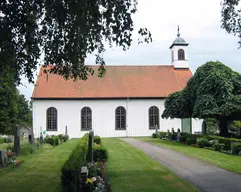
(63, 138)
(231, 17)
(97, 140)
(191, 140)
(67, 31)
(212, 125)
(53, 140)
(236, 148)
(70, 176)
(100, 153)
(218, 146)
(8, 100)
(1, 140)
(202, 142)
(154, 135)
(162, 135)
(213, 92)
(182, 138)
(26, 149)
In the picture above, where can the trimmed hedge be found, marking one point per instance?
(236, 148)
(100, 153)
(191, 140)
(226, 141)
(218, 146)
(53, 140)
(202, 142)
(97, 140)
(154, 135)
(70, 176)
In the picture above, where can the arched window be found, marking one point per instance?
(181, 54)
(153, 117)
(52, 119)
(86, 118)
(120, 118)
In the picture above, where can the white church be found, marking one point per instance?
(128, 101)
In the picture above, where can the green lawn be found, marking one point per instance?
(229, 162)
(40, 171)
(129, 170)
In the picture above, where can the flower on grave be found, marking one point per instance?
(89, 181)
(93, 179)
(10, 154)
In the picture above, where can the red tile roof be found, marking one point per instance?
(118, 82)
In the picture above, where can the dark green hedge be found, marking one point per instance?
(97, 140)
(71, 169)
(100, 153)
(226, 141)
(53, 140)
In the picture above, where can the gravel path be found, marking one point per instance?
(206, 177)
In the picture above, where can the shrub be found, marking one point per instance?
(162, 135)
(226, 141)
(97, 140)
(236, 148)
(212, 142)
(191, 140)
(100, 153)
(218, 146)
(70, 176)
(182, 138)
(26, 149)
(154, 135)
(65, 138)
(202, 142)
(53, 140)
(1, 140)
(8, 140)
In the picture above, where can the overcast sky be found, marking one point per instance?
(199, 25)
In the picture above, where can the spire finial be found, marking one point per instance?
(178, 31)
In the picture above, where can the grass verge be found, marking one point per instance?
(39, 172)
(225, 161)
(129, 169)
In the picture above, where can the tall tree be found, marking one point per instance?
(24, 112)
(213, 92)
(231, 17)
(65, 32)
(8, 102)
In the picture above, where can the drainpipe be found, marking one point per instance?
(127, 100)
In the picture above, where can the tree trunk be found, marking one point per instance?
(223, 126)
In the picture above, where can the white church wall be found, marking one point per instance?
(103, 117)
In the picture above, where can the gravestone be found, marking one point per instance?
(66, 130)
(90, 146)
(178, 134)
(156, 128)
(30, 139)
(204, 127)
(16, 147)
(41, 139)
(3, 158)
(173, 134)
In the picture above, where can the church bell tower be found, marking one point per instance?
(179, 52)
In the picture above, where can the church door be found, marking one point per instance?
(187, 125)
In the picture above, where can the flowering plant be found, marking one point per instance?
(10, 154)
(14, 163)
